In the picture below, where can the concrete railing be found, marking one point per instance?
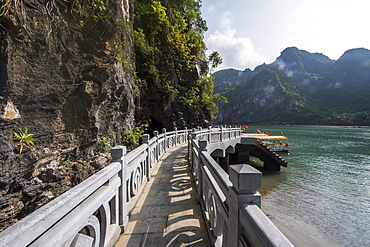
(230, 202)
(96, 211)
(213, 135)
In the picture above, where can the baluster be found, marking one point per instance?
(246, 180)
(145, 140)
(202, 147)
(193, 137)
(176, 137)
(186, 134)
(209, 134)
(118, 155)
(155, 134)
(164, 140)
(222, 134)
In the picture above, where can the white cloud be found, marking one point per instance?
(246, 31)
(211, 9)
(236, 52)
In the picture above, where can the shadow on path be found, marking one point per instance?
(167, 213)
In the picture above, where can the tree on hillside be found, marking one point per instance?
(171, 57)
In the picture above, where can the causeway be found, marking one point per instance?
(148, 197)
(167, 213)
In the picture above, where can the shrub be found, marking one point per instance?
(24, 139)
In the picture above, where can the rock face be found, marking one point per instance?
(70, 84)
(229, 78)
(301, 88)
(262, 91)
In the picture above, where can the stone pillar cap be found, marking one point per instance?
(245, 178)
(118, 152)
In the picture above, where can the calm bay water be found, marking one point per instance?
(326, 183)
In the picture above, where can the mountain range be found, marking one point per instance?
(298, 88)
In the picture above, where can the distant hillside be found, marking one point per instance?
(299, 88)
(229, 78)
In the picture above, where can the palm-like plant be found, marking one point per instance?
(24, 139)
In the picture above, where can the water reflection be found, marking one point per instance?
(271, 179)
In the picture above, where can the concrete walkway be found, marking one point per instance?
(167, 213)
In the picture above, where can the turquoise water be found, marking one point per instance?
(327, 181)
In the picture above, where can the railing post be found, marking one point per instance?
(176, 136)
(202, 147)
(145, 140)
(192, 137)
(155, 134)
(188, 139)
(222, 134)
(246, 180)
(209, 134)
(164, 140)
(186, 133)
(118, 155)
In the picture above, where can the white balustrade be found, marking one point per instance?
(230, 202)
(97, 210)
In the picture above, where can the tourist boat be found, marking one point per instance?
(274, 143)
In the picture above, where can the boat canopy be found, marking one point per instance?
(272, 137)
(254, 135)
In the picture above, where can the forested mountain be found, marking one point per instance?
(301, 88)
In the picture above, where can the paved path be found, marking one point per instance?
(167, 213)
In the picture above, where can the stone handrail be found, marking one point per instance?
(230, 202)
(96, 211)
(213, 135)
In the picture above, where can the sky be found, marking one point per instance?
(248, 33)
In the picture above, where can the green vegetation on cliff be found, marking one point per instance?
(171, 63)
(85, 75)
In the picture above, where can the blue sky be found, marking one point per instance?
(248, 33)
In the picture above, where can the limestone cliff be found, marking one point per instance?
(70, 83)
(80, 76)
(264, 91)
